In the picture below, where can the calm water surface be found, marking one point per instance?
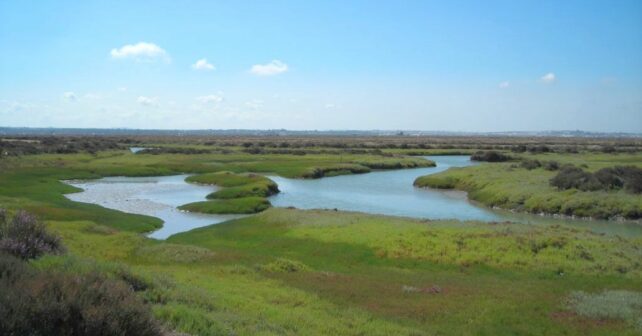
(392, 193)
(382, 192)
(153, 196)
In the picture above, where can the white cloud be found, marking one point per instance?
(69, 96)
(122, 89)
(548, 78)
(202, 64)
(140, 51)
(272, 68)
(504, 84)
(330, 106)
(212, 98)
(147, 101)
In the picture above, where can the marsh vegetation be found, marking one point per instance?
(291, 271)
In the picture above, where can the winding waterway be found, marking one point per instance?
(157, 196)
(381, 192)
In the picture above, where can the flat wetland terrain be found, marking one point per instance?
(287, 271)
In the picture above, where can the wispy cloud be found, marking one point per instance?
(92, 96)
(548, 78)
(269, 69)
(141, 51)
(254, 104)
(148, 101)
(69, 96)
(212, 98)
(202, 64)
(504, 84)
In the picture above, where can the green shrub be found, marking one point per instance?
(573, 177)
(616, 177)
(41, 303)
(530, 164)
(551, 165)
(490, 156)
(284, 265)
(26, 237)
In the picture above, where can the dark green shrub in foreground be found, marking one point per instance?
(42, 303)
(26, 237)
(490, 156)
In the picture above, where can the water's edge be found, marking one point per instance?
(389, 192)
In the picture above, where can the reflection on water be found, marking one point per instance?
(153, 196)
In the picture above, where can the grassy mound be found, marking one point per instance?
(237, 185)
(241, 193)
(245, 205)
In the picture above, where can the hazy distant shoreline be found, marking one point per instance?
(36, 131)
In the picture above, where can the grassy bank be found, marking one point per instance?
(325, 272)
(243, 205)
(509, 185)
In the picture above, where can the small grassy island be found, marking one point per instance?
(241, 193)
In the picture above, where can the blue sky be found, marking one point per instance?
(427, 65)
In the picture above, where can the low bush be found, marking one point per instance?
(42, 303)
(551, 165)
(26, 237)
(490, 156)
(282, 265)
(530, 164)
(627, 177)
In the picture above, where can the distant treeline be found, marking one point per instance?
(302, 145)
(61, 145)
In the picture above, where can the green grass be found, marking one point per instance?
(508, 186)
(241, 193)
(326, 273)
(245, 205)
(609, 305)
(236, 185)
(294, 272)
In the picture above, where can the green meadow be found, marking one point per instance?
(323, 272)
